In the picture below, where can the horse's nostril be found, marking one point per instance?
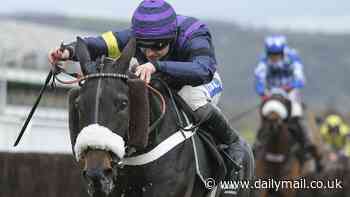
(94, 174)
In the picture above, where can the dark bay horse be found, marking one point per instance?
(100, 121)
(276, 149)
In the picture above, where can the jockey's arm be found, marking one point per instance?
(109, 44)
(298, 75)
(260, 74)
(201, 64)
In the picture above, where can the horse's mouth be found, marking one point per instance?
(100, 187)
(99, 182)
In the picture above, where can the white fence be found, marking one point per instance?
(48, 131)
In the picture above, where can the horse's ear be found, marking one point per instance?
(82, 53)
(128, 52)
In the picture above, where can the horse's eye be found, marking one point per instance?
(121, 104)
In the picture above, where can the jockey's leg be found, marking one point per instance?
(203, 100)
(301, 134)
(215, 123)
(298, 127)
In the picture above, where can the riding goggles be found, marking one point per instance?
(155, 45)
(274, 53)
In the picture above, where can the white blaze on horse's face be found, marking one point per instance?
(99, 137)
(275, 106)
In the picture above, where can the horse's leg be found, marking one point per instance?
(260, 174)
(294, 173)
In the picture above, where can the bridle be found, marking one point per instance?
(80, 79)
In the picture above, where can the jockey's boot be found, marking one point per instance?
(301, 134)
(231, 145)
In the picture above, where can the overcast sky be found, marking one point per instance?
(328, 15)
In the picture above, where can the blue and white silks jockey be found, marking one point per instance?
(286, 72)
(280, 67)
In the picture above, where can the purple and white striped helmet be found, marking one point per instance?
(154, 19)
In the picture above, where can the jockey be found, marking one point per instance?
(281, 67)
(336, 133)
(178, 47)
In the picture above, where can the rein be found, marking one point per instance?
(180, 123)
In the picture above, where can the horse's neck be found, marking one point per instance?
(279, 141)
(169, 122)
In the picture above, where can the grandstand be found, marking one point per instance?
(23, 70)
